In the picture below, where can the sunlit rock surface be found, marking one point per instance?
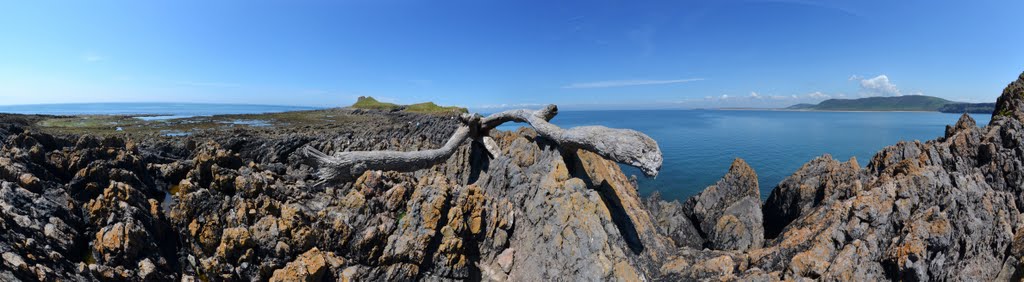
(235, 204)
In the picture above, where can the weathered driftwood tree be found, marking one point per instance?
(625, 146)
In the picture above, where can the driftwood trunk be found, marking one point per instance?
(624, 146)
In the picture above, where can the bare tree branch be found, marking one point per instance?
(348, 165)
(625, 146)
(494, 120)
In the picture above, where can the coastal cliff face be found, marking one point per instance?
(238, 205)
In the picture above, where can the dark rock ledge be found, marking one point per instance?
(237, 205)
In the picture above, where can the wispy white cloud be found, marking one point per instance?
(623, 83)
(818, 95)
(879, 86)
(754, 95)
(755, 99)
(92, 57)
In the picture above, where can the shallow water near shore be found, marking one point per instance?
(699, 145)
(148, 111)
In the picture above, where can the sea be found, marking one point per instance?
(698, 145)
(151, 111)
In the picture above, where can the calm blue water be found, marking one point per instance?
(699, 145)
(161, 110)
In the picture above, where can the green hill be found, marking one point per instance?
(897, 103)
(974, 108)
(369, 103)
(430, 107)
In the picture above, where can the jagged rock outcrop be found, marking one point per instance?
(673, 222)
(819, 182)
(729, 212)
(946, 209)
(1011, 102)
(239, 205)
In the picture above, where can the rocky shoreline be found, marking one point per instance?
(237, 204)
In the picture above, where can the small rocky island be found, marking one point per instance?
(83, 200)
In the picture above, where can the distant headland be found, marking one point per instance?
(369, 103)
(918, 103)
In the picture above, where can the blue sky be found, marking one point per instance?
(490, 54)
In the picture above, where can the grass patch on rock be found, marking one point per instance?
(369, 103)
